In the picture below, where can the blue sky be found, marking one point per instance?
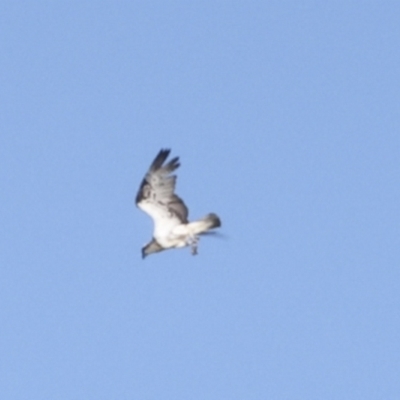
(285, 116)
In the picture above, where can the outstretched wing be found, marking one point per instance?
(156, 195)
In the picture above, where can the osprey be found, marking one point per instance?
(156, 197)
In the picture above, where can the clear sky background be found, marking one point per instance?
(286, 118)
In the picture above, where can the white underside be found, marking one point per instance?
(181, 235)
(169, 231)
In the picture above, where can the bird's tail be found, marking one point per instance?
(210, 221)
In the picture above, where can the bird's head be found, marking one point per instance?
(151, 247)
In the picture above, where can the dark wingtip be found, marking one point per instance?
(216, 221)
(173, 164)
(164, 152)
(160, 158)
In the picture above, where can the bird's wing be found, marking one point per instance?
(156, 195)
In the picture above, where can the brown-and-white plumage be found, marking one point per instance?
(157, 198)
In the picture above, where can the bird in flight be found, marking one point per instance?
(157, 198)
